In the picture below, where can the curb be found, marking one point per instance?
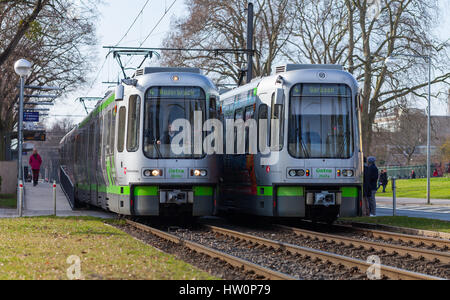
(403, 230)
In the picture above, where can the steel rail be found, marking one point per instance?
(390, 272)
(232, 260)
(443, 257)
(406, 238)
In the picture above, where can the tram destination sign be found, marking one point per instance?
(314, 90)
(31, 116)
(172, 92)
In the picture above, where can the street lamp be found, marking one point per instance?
(427, 58)
(22, 68)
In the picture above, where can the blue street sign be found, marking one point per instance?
(31, 116)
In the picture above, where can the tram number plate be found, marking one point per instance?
(325, 199)
(175, 173)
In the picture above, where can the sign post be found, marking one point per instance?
(394, 199)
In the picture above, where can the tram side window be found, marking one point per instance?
(113, 132)
(212, 107)
(106, 137)
(238, 115)
(91, 141)
(263, 114)
(134, 112)
(121, 130)
(249, 114)
(277, 114)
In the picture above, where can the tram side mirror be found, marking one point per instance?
(279, 96)
(120, 90)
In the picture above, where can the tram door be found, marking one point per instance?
(121, 167)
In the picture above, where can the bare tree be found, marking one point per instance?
(410, 134)
(360, 35)
(26, 12)
(213, 24)
(56, 44)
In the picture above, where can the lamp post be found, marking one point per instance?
(427, 58)
(22, 68)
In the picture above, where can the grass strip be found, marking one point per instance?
(38, 248)
(417, 188)
(406, 222)
(8, 201)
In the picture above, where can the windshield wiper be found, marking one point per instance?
(305, 150)
(155, 143)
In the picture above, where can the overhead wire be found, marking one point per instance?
(166, 11)
(123, 37)
(132, 24)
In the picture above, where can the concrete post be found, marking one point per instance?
(20, 198)
(394, 199)
(54, 198)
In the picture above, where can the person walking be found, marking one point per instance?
(35, 163)
(413, 174)
(373, 175)
(383, 181)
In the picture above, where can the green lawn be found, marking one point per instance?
(38, 248)
(8, 201)
(416, 223)
(417, 188)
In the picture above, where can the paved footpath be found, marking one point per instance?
(39, 202)
(418, 208)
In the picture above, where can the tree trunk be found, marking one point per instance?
(3, 133)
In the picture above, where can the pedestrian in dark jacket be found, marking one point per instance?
(35, 163)
(383, 181)
(372, 185)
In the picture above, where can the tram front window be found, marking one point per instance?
(320, 121)
(163, 106)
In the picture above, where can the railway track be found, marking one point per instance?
(232, 260)
(442, 257)
(399, 237)
(362, 266)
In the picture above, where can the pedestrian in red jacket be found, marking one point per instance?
(35, 163)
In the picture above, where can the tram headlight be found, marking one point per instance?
(199, 173)
(348, 173)
(297, 173)
(153, 173)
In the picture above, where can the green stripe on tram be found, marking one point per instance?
(349, 192)
(290, 191)
(203, 191)
(146, 191)
(265, 191)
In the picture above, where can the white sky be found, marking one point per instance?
(117, 16)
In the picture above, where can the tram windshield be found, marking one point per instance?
(163, 106)
(320, 121)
